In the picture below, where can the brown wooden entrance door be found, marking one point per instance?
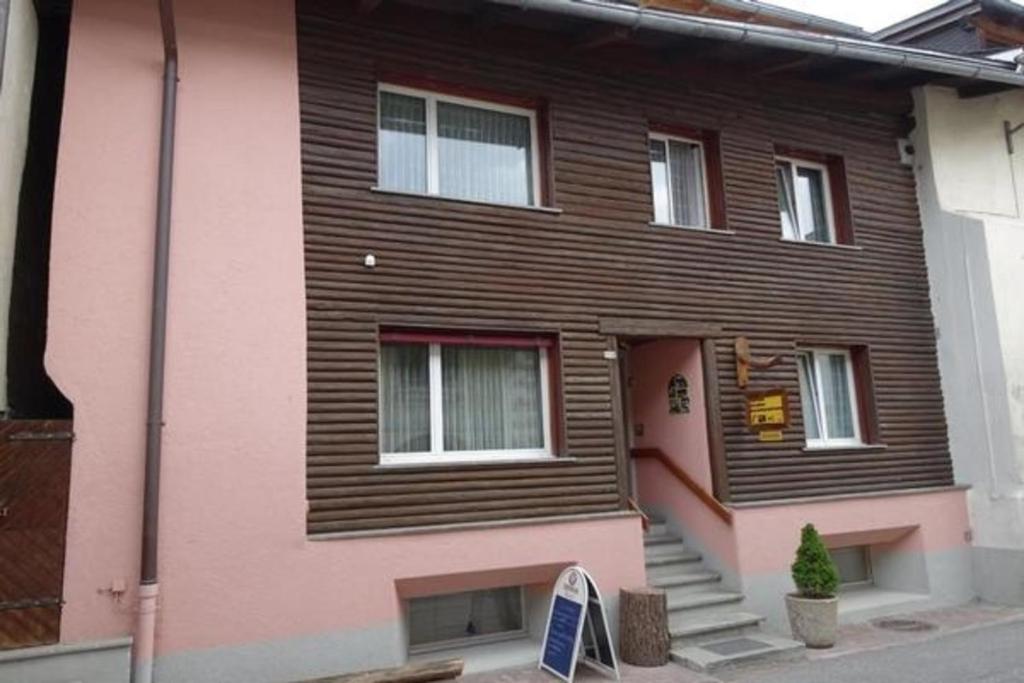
(35, 469)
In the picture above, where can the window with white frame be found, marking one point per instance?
(679, 181)
(828, 396)
(456, 147)
(805, 202)
(463, 399)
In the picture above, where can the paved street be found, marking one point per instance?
(971, 644)
(993, 654)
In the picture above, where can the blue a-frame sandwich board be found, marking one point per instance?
(577, 628)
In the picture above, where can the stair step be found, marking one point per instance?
(664, 549)
(714, 625)
(686, 579)
(721, 653)
(681, 555)
(660, 539)
(691, 601)
(656, 551)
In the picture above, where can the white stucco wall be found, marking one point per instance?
(972, 201)
(15, 103)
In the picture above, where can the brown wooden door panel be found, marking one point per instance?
(35, 468)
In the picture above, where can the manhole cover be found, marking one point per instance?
(904, 625)
(735, 646)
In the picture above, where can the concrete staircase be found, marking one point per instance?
(708, 627)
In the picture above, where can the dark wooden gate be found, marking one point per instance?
(35, 469)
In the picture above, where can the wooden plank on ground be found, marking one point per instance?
(424, 672)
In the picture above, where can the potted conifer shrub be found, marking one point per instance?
(814, 608)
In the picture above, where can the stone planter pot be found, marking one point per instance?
(815, 622)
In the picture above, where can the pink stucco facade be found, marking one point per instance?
(683, 437)
(235, 563)
(767, 537)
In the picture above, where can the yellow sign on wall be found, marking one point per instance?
(768, 411)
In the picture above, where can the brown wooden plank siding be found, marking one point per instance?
(451, 264)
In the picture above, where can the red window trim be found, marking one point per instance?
(443, 87)
(465, 339)
(676, 129)
(867, 409)
(802, 154)
(838, 187)
(714, 168)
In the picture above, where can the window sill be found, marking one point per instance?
(472, 202)
(455, 646)
(480, 462)
(822, 245)
(858, 448)
(690, 228)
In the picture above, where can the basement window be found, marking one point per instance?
(854, 565)
(474, 617)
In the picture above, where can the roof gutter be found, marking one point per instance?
(149, 587)
(637, 18)
(810, 21)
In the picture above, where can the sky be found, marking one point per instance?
(868, 14)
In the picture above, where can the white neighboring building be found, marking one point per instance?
(971, 191)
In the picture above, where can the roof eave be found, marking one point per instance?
(639, 18)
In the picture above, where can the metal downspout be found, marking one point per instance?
(149, 587)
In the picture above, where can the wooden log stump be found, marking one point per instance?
(643, 627)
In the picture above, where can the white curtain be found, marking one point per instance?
(405, 398)
(836, 387)
(492, 398)
(484, 155)
(403, 143)
(809, 399)
(687, 172)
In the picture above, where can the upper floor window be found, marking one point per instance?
(464, 398)
(679, 181)
(456, 147)
(828, 397)
(805, 201)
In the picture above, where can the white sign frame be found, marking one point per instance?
(576, 585)
(594, 595)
